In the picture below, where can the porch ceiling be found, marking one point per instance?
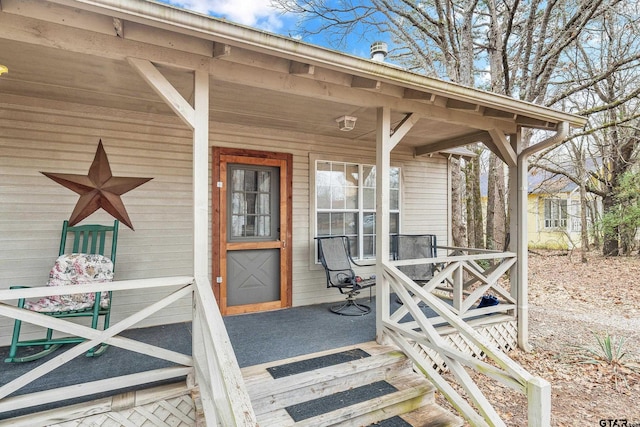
(53, 74)
(81, 57)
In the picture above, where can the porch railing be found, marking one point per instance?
(464, 276)
(212, 367)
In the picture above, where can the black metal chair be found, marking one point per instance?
(415, 246)
(335, 257)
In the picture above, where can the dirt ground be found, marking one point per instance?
(571, 302)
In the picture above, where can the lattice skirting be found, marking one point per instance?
(175, 412)
(503, 335)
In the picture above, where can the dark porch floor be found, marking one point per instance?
(264, 337)
(256, 338)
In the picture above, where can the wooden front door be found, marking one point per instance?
(251, 230)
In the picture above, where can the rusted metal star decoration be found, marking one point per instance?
(98, 189)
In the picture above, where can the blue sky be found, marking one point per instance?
(259, 14)
(255, 13)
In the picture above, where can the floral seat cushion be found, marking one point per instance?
(75, 269)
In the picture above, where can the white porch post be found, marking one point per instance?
(384, 144)
(522, 285)
(518, 184)
(197, 118)
(201, 178)
(383, 162)
(213, 357)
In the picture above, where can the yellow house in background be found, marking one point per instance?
(553, 213)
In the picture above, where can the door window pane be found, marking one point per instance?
(264, 226)
(250, 226)
(250, 203)
(264, 205)
(237, 180)
(237, 225)
(264, 181)
(253, 194)
(250, 178)
(237, 203)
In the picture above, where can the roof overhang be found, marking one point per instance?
(258, 79)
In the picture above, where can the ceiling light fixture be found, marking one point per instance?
(3, 69)
(346, 123)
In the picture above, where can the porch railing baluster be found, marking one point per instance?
(419, 337)
(213, 365)
(224, 398)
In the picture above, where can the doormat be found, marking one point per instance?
(391, 422)
(326, 404)
(316, 363)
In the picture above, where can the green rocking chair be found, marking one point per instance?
(86, 263)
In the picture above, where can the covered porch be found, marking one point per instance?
(215, 354)
(302, 331)
(168, 88)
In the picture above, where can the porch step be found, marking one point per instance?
(359, 392)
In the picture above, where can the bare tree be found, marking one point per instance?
(603, 72)
(473, 203)
(521, 48)
(514, 47)
(458, 232)
(496, 224)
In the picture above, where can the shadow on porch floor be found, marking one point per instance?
(257, 338)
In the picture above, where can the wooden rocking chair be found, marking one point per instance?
(85, 263)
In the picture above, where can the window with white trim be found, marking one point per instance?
(345, 196)
(574, 222)
(555, 213)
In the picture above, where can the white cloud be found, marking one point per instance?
(254, 13)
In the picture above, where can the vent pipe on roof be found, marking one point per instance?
(379, 51)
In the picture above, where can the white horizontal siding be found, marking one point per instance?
(424, 197)
(54, 137)
(63, 138)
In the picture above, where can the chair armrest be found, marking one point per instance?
(21, 301)
(363, 263)
(366, 283)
